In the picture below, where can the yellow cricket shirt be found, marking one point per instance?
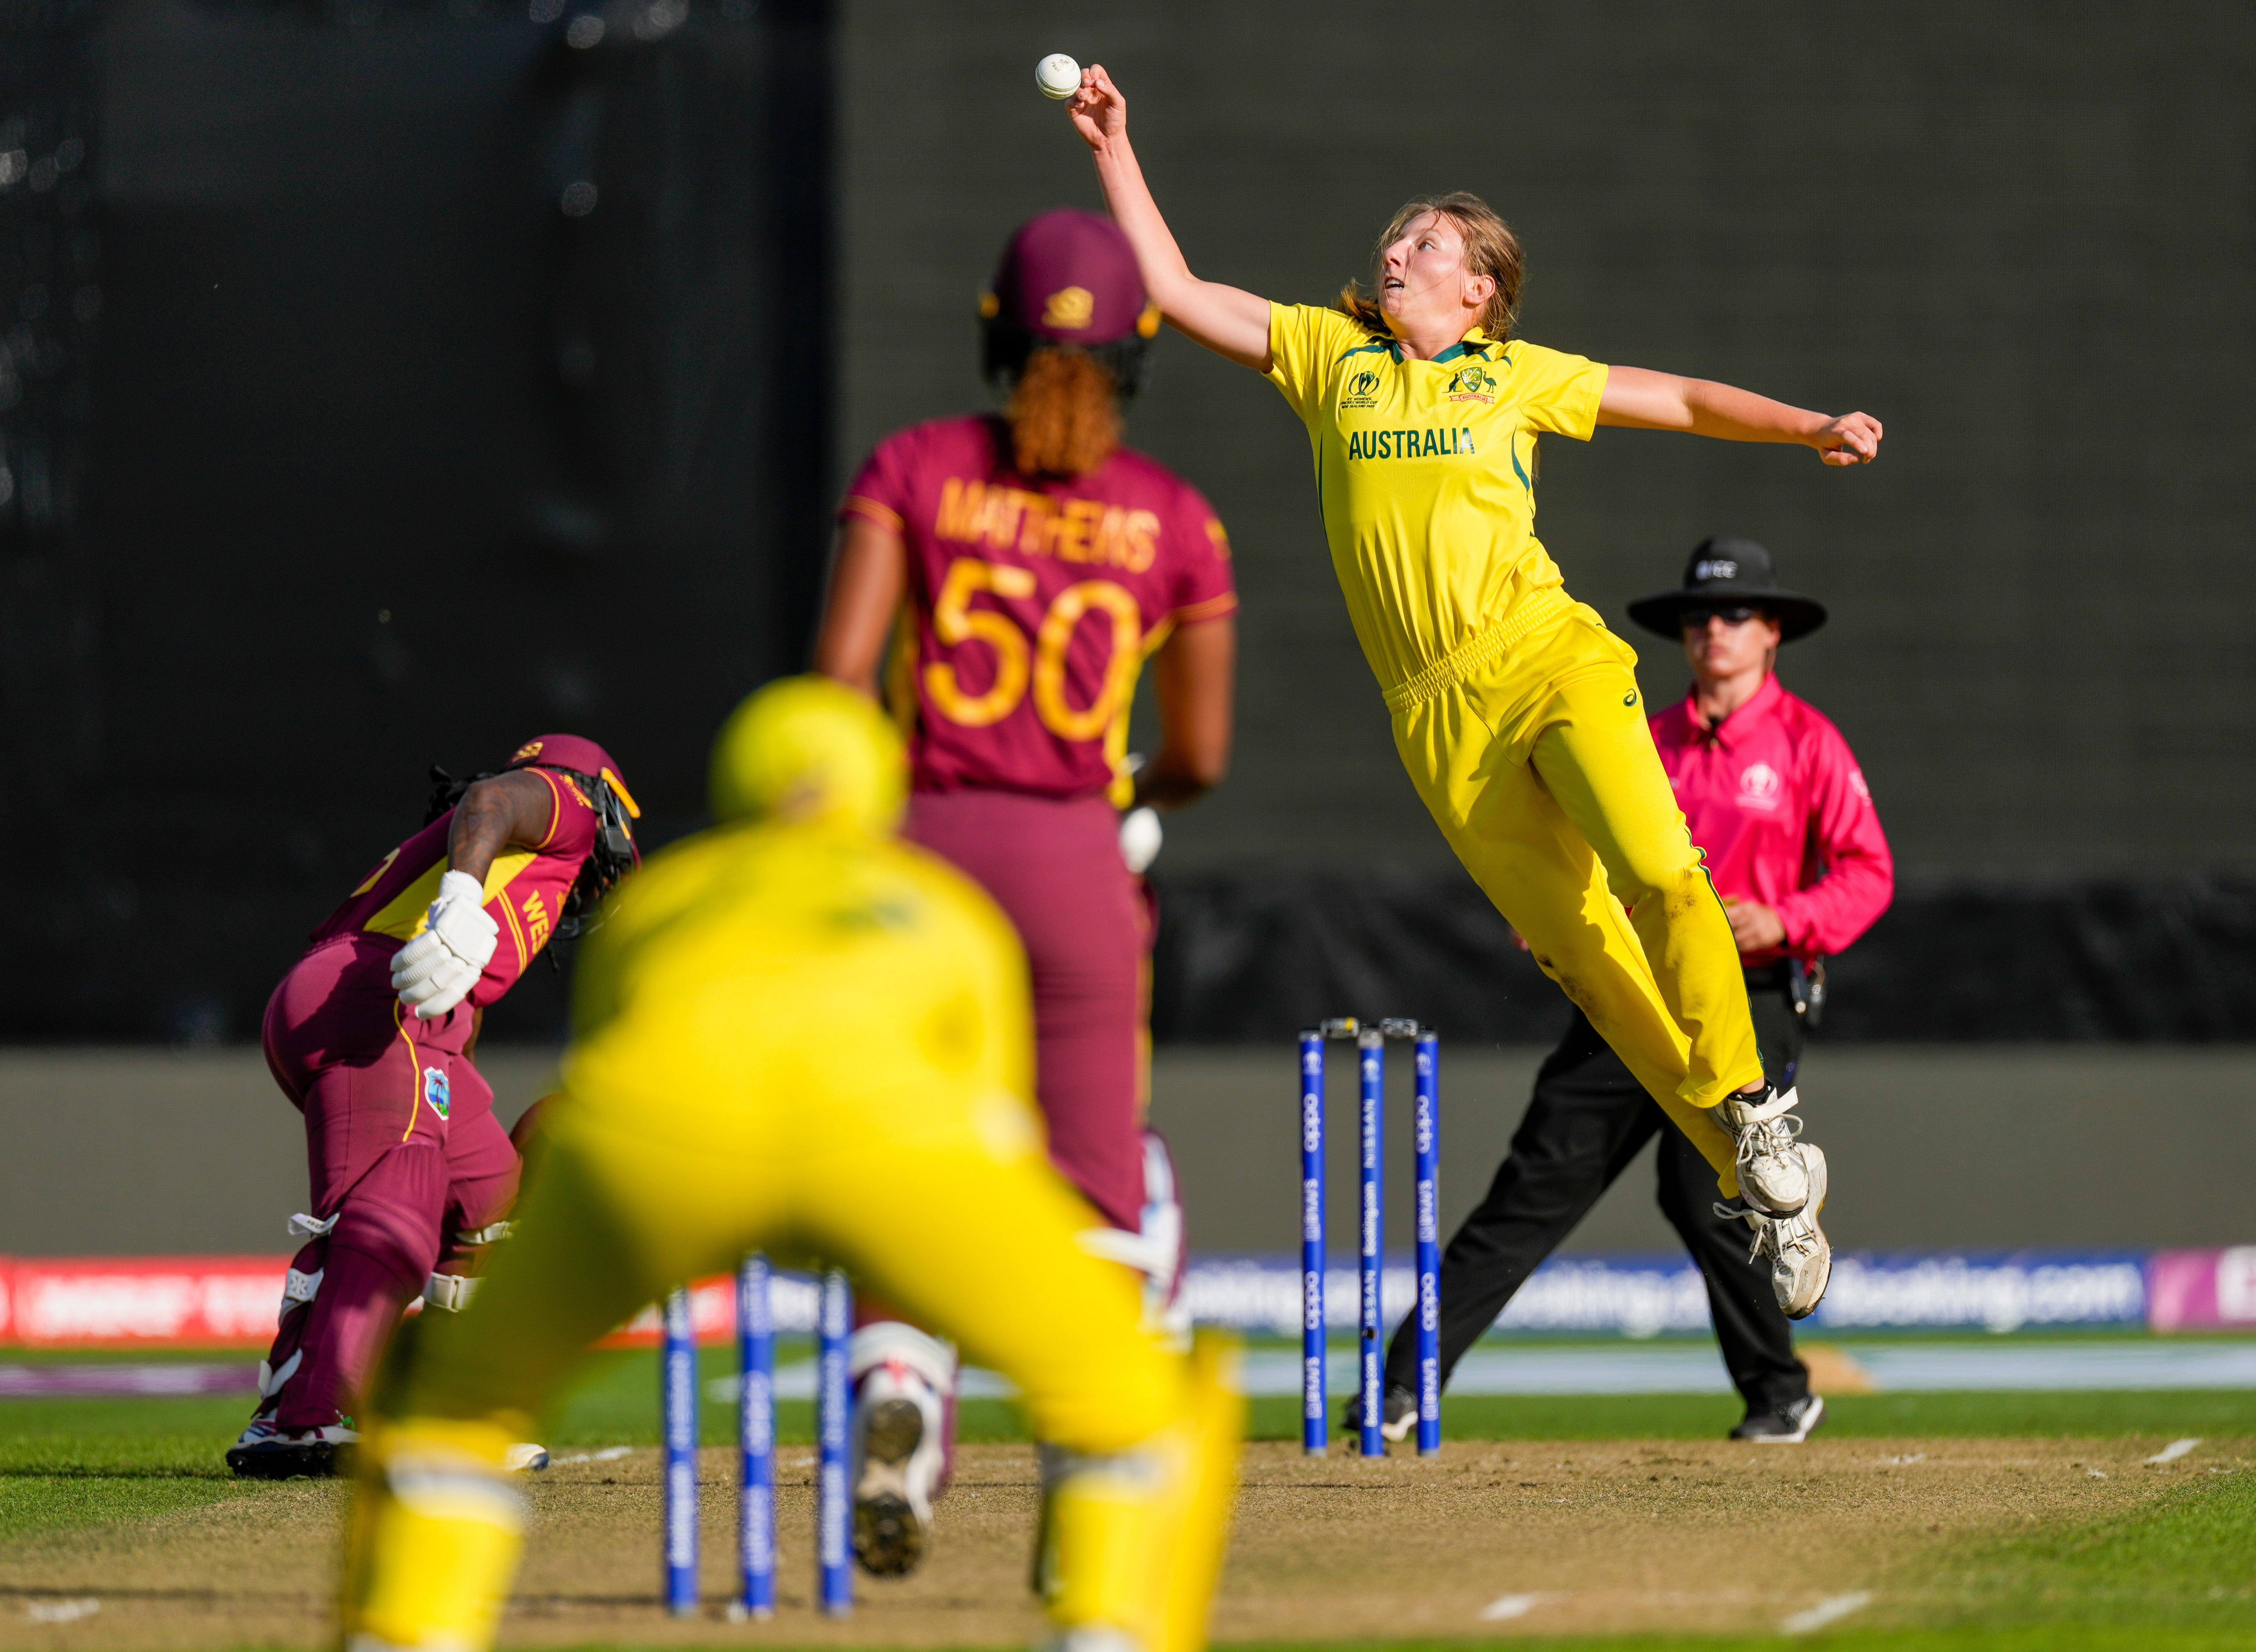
(1427, 473)
(813, 946)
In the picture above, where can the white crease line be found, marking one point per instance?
(2095, 1473)
(1508, 1605)
(609, 1454)
(1825, 1611)
(2174, 1450)
(60, 1611)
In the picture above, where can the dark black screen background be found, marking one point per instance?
(393, 459)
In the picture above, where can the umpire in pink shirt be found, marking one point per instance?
(1772, 794)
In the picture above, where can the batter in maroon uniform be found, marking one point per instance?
(1008, 577)
(371, 1036)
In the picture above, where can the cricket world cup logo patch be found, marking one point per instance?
(437, 1091)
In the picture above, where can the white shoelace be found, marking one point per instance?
(1773, 1137)
(1778, 1234)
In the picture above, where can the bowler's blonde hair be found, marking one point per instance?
(1490, 250)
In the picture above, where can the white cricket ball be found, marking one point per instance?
(1058, 75)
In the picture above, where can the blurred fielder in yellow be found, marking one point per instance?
(797, 1036)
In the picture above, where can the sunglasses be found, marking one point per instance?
(1694, 619)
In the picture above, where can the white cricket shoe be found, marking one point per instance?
(1801, 1260)
(900, 1445)
(521, 1458)
(1774, 1175)
(899, 1419)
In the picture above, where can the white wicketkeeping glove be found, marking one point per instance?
(1139, 838)
(436, 970)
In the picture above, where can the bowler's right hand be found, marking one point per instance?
(1099, 113)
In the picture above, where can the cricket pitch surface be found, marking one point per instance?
(1489, 1540)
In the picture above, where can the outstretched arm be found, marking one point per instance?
(1643, 400)
(1227, 320)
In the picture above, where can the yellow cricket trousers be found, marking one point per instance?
(1541, 770)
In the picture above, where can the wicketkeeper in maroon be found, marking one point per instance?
(1007, 577)
(371, 1036)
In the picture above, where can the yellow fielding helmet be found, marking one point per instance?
(805, 749)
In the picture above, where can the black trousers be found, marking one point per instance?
(1586, 1121)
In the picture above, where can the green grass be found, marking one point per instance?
(2169, 1411)
(613, 1401)
(65, 1465)
(2188, 1564)
(32, 1504)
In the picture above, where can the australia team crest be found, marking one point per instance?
(1472, 383)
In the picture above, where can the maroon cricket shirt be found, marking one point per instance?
(1033, 603)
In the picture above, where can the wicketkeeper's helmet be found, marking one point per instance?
(806, 748)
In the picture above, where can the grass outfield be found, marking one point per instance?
(2174, 1573)
(615, 1402)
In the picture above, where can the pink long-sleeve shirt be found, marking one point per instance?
(1774, 797)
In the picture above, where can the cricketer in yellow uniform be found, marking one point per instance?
(1515, 710)
(795, 1035)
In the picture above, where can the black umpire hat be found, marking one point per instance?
(1727, 572)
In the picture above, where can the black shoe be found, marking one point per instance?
(1401, 1415)
(1790, 1425)
(266, 1452)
